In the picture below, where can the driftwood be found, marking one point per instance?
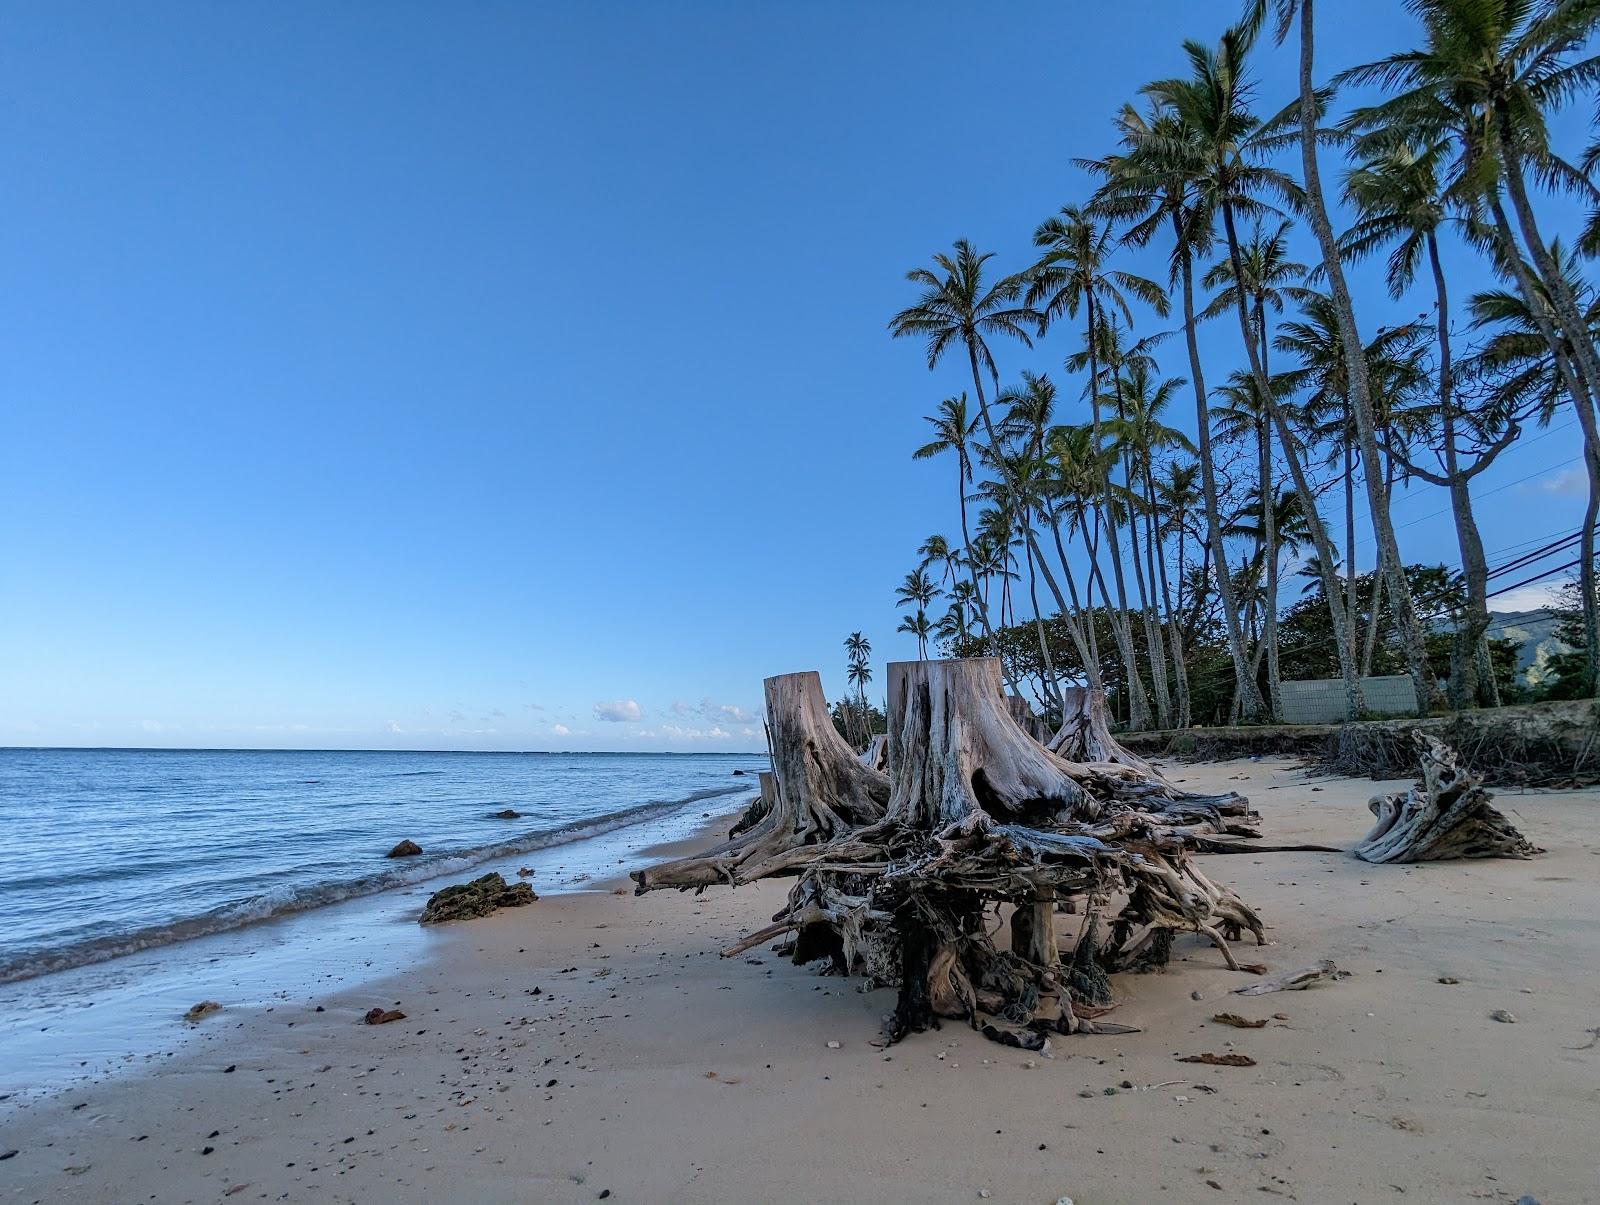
(759, 806)
(978, 822)
(876, 755)
(1446, 815)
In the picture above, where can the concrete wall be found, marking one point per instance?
(1321, 701)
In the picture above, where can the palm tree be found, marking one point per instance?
(1396, 193)
(952, 433)
(1270, 277)
(1148, 187)
(859, 650)
(917, 625)
(956, 307)
(918, 589)
(1315, 206)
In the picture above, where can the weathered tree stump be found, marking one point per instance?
(1446, 815)
(980, 817)
(821, 792)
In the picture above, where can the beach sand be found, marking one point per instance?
(594, 1046)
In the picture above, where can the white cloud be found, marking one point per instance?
(533, 706)
(680, 708)
(1527, 598)
(1569, 482)
(560, 730)
(618, 712)
(395, 728)
(456, 717)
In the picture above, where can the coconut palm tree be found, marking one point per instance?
(1314, 205)
(1396, 192)
(1146, 188)
(917, 625)
(1270, 278)
(859, 651)
(953, 429)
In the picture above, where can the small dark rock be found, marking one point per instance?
(506, 814)
(230, 1068)
(207, 1150)
(738, 773)
(382, 1016)
(406, 849)
(463, 901)
(4, 1155)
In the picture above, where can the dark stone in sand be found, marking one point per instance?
(463, 901)
(506, 814)
(382, 1016)
(204, 1009)
(406, 849)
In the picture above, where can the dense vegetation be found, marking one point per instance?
(1117, 551)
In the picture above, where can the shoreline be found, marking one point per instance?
(51, 1038)
(591, 1043)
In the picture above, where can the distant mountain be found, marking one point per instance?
(1535, 634)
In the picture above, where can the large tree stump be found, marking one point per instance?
(980, 816)
(821, 792)
(1446, 815)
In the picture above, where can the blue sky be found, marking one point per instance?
(516, 375)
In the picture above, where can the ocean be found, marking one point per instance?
(106, 852)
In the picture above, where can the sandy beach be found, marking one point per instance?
(594, 1046)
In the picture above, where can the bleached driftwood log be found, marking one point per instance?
(980, 817)
(821, 792)
(1027, 720)
(1446, 815)
(876, 754)
(760, 806)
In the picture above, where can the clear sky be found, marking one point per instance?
(515, 375)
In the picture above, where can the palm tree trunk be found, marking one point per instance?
(1138, 700)
(1582, 402)
(1410, 630)
(1152, 627)
(1352, 604)
(1052, 685)
(1085, 618)
(1269, 531)
(1243, 684)
(1157, 557)
(1466, 690)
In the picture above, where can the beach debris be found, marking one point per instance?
(11, 1154)
(382, 1016)
(1446, 815)
(204, 1009)
(524, 872)
(506, 814)
(977, 806)
(1503, 1016)
(483, 895)
(1218, 1060)
(1594, 1040)
(1238, 1022)
(1448, 979)
(1294, 981)
(406, 849)
(833, 1044)
(738, 773)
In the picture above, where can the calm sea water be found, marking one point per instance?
(104, 852)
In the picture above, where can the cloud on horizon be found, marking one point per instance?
(621, 711)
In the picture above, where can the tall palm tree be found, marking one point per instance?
(1270, 278)
(1306, 115)
(1148, 187)
(958, 307)
(953, 429)
(1397, 195)
(918, 589)
(859, 651)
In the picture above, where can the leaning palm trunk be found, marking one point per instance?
(1244, 684)
(1084, 618)
(1052, 684)
(1138, 701)
(1579, 392)
(1410, 630)
(1152, 627)
(1269, 533)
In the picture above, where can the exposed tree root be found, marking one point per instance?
(903, 879)
(1446, 815)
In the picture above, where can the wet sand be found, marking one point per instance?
(594, 1046)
